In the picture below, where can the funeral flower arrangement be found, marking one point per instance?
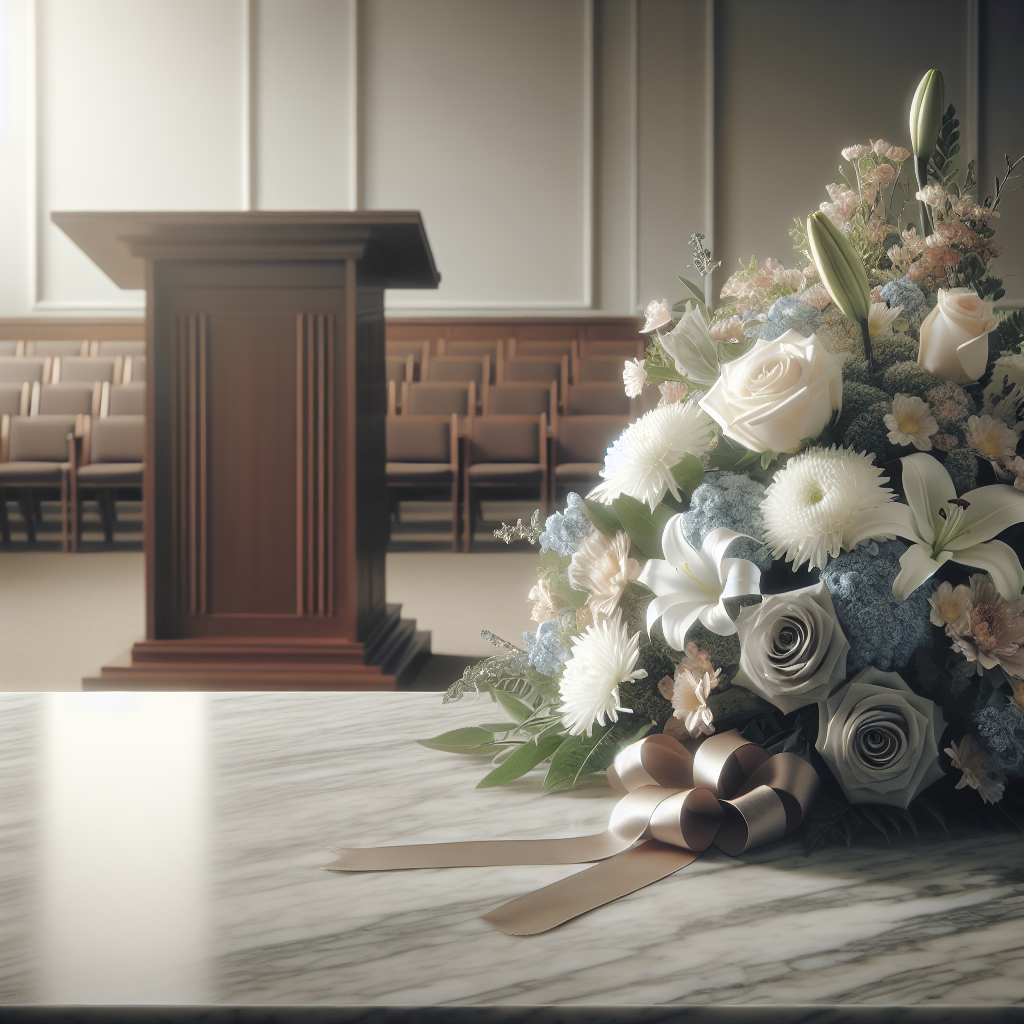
(815, 537)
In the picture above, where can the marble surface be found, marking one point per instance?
(165, 848)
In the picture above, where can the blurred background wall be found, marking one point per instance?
(562, 151)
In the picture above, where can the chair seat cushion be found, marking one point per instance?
(419, 472)
(522, 471)
(578, 471)
(27, 473)
(110, 474)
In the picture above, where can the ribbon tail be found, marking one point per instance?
(546, 908)
(490, 853)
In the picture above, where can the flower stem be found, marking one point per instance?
(921, 173)
(865, 333)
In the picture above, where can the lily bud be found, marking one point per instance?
(839, 266)
(926, 114)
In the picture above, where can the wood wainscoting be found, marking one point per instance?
(72, 329)
(524, 328)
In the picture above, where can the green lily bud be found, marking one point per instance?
(926, 114)
(841, 270)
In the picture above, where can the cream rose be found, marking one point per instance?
(880, 739)
(777, 394)
(954, 336)
(792, 648)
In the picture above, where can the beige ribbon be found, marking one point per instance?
(731, 794)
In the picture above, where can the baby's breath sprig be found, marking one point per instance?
(520, 531)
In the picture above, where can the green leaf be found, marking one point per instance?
(497, 727)
(522, 760)
(698, 292)
(602, 516)
(766, 458)
(516, 710)
(472, 736)
(688, 474)
(643, 526)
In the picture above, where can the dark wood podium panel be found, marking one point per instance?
(266, 511)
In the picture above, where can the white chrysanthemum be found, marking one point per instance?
(604, 656)
(634, 377)
(823, 501)
(911, 422)
(640, 461)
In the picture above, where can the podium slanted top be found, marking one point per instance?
(390, 244)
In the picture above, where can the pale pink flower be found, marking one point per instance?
(729, 330)
(879, 146)
(897, 153)
(817, 297)
(545, 604)
(932, 195)
(911, 422)
(991, 438)
(994, 633)
(975, 774)
(881, 175)
(856, 152)
(949, 609)
(672, 391)
(601, 566)
(1016, 466)
(688, 693)
(634, 377)
(658, 314)
(699, 662)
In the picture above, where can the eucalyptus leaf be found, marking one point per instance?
(520, 761)
(483, 750)
(698, 292)
(602, 516)
(472, 736)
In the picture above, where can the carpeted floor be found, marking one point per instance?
(63, 616)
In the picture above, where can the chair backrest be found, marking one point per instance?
(14, 370)
(57, 348)
(399, 369)
(15, 399)
(134, 369)
(117, 348)
(12, 348)
(519, 347)
(82, 369)
(621, 349)
(507, 439)
(598, 368)
(587, 438)
(118, 439)
(123, 399)
(423, 439)
(519, 398)
(597, 398)
(54, 399)
(40, 438)
(445, 368)
(419, 350)
(437, 399)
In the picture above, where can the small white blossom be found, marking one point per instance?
(911, 422)
(634, 377)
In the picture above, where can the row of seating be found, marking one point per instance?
(72, 348)
(74, 453)
(72, 369)
(498, 453)
(99, 399)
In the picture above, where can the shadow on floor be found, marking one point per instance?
(440, 671)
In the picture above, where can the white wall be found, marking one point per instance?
(561, 151)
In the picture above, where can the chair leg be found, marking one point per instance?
(103, 497)
(37, 507)
(467, 517)
(65, 543)
(27, 514)
(5, 526)
(455, 513)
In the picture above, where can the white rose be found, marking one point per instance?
(880, 739)
(954, 336)
(777, 394)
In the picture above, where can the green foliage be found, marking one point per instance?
(517, 711)
(642, 526)
(473, 740)
(688, 474)
(604, 517)
(1009, 333)
(509, 671)
(523, 759)
(940, 165)
(583, 759)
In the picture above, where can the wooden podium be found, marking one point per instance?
(266, 518)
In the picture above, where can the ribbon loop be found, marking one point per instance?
(732, 794)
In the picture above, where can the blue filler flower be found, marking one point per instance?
(547, 655)
(1002, 730)
(882, 631)
(732, 501)
(903, 292)
(563, 531)
(791, 314)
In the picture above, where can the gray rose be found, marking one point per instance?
(792, 648)
(880, 739)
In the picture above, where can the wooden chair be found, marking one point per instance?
(517, 348)
(396, 371)
(580, 444)
(503, 453)
(117, 348)
(55, 399)
(57, 348)
(520, 398)
(15, 399)
(85, 369)
(433, 398)
(597, 398)
(537, 370)
(494, 350)
(598, 368)
(134, 370)
(458, 368)
(122, 399)
(622, 349)
(17, 370)
(37, 453)
(12, 349)
(113, 462)
(419, 350)
(423, 458)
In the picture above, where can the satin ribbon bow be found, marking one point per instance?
(732, 794)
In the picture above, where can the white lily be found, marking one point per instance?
(693, 349)
(961, 533)
(694, 583)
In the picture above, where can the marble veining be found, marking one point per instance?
(288, 774)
